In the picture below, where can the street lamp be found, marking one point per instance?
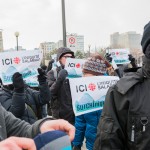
(89, 50)
(17, 35)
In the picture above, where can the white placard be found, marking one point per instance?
(25, 62)
(120, 56)
(88, 93)
(32, 81)
(74, 67)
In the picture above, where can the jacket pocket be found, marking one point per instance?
(106, 124)
(137, 130)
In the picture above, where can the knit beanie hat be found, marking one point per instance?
(146, 37)
(53, 140)
(96, 65)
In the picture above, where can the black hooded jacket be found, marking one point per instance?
(61, 102)
(28, 106)
(125, 120)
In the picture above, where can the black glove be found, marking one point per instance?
(108, 57)
(18, 82)
(42, 76)
(62, 74)
(131, 58)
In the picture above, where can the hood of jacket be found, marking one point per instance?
(62, 51)
(129, 80)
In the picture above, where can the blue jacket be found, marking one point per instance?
(86, 126)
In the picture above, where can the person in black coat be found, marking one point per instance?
(24, 102)
(61, 103)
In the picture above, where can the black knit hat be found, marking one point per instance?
(62, 51)
(146, 37)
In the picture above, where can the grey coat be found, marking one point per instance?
(12, 126)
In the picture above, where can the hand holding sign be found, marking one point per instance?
(42, 76)
(18, 82)
(62, 74)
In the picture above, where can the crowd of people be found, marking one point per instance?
(123, 124)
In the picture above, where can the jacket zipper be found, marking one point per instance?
(133, 131)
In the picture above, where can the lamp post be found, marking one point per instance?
(17, 35)
(63, 22)
(89, 50)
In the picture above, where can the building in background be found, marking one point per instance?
(129, 40)
(59, 44)
(46, 47)
(80, 43)
(1, 41)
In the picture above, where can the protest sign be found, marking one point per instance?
(88, 93)
(74, 67)
(25, 62)
(32, 81)
(120, 56)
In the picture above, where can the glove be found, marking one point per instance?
(131, 58)
(62, 74)
(42, 76)
(108, 57)
(18, 82)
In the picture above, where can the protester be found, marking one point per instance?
(61, 102)
(86, 124)
(124, 122)
(24, 102)
(12, 126)
(124, 68)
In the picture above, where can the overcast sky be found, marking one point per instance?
(40, 20)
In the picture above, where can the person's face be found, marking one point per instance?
(62, 60)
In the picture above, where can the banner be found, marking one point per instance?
(74, 67)
(25, 62)
(120, 56)
(32, 81)
(88, 93)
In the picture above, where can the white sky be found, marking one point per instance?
(41, 20)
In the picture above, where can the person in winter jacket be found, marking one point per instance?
(125, 120)
(11, 126)
(86, 124)
(24, 102)
(61, 102)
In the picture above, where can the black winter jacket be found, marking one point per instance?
(27, 106)
(61, 102)
(125, 120)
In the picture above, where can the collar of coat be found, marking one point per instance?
(129, 80)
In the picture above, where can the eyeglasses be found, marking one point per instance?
(68, 56)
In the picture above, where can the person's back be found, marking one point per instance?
(86, 124)
(24, 102)
(61, 103)
(125, 118)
